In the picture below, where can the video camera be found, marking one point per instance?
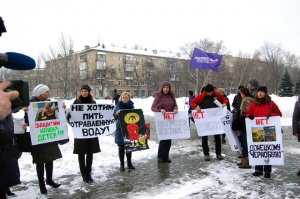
(17, 61)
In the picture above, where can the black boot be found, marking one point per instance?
(40, 173)
(129, 163)
(49, 172)
(9, 193)
(82, 167)
(121, 157)
(88, 168)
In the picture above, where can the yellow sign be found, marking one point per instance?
(131, 118)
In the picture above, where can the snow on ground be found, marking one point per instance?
(107, 161)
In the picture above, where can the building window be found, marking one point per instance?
(100, 74)
(101, 57)
(101, 65)
(128, 75)
(129, 67)
(83, 70)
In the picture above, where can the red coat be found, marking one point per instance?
(263, 110)
(197, 100)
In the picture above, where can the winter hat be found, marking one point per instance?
(86, 87)
(254, 83)
(39, 90)
(209, 88)
(166, 83)
(263, 89)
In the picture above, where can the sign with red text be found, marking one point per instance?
(47, 122)
(172, 125)
(209, 121)
(264, 139)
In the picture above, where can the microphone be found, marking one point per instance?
(16, 61)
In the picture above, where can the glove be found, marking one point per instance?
(251, 117)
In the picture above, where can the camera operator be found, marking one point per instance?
(9, 154)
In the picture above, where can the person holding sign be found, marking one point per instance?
(263, 107)
(124, 103)
(164, 102)
(85, 147)
(247, 99)
(204, 101)
(43, 155)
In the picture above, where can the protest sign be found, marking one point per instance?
(47, 122)
(230, 135)
(264, 139)
(91, 120)
(133, 128)
(172, 125)
(18, 125)
(209, 121)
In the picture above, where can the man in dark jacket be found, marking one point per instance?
(203, 101)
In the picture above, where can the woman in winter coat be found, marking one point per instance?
(296, 122)
(164, 102)
(263, 107)
(204, 101)
(87, 146)
(246, 101)
(123, 103)
(43, 155)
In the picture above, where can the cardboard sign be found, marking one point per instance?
(133, 128)
(209, 121)
(172, 125)
(92, 120)
(47, 122)
(264, 139)
(230, 135)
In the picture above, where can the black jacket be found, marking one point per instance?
(208, 102)
(9, 168)
(86, 145)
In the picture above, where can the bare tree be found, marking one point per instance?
(273, 55)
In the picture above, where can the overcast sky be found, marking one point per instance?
(34, 25)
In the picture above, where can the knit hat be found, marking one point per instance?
(86, 87)
(39, 90)
(166, 83)
(263, 89)
(209, 88)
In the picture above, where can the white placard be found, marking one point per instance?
(264, 139)
(209, 121)
(230, 135)
(92, 120)
(172, 125)
(18, 125)
(47, 122)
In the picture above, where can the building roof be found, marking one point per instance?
(146, 52)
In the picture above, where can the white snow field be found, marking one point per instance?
(107, 162)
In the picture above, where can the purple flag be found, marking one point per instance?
(204, 60)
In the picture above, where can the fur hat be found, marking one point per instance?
(263, 89)
(86, 87)
(39, 90)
